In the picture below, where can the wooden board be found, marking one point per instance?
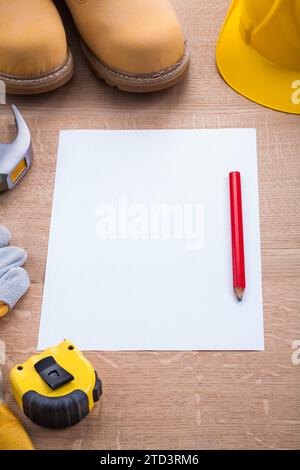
(190, 400)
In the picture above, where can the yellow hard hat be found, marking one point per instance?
(258, 52)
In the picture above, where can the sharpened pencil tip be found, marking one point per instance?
(239, 293)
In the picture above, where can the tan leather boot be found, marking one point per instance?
(34, 56)
(135, 45)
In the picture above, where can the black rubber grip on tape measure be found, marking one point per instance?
(56, 412)
(97, 392)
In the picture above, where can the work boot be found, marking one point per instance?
(34, 55)
(135, 45)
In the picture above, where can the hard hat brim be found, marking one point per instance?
(250, 74)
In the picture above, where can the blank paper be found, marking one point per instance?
(139, 252)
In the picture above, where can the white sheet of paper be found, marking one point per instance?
(140, 245)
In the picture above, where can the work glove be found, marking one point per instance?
(14, 280)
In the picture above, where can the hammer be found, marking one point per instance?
(15, 158)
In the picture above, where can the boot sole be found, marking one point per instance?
(143, 83)
(17, 85)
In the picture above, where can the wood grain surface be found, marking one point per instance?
(191, 400)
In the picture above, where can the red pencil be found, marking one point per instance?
(237, 235)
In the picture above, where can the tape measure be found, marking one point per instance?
(56, 388)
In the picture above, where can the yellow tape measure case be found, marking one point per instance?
(56, 388)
